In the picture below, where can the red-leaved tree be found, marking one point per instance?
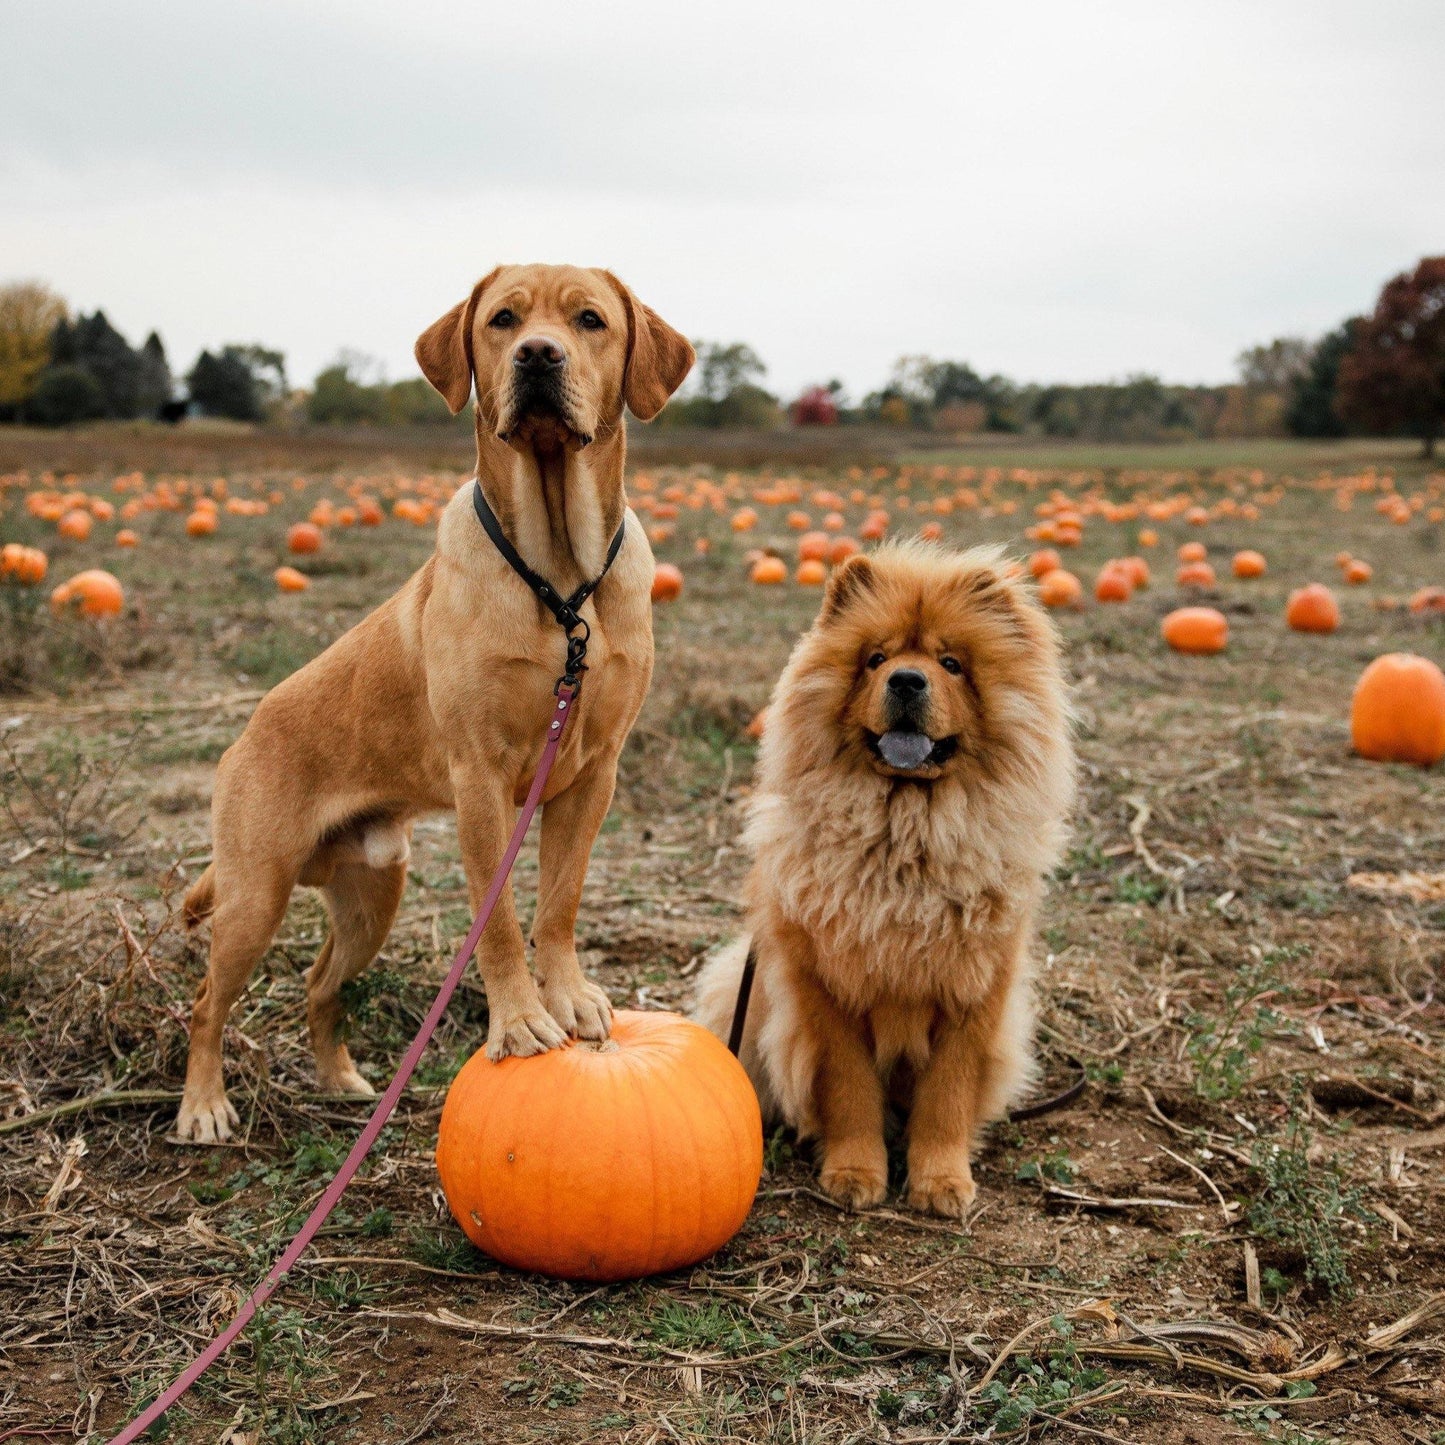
(1393, 376)
(815, 407)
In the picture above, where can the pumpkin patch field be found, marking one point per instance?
(1236, 1231)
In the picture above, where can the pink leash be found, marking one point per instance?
(566, 694)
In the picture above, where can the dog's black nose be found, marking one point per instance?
(907, 682)
(537, 353)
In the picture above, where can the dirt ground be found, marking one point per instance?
(1237, 1231)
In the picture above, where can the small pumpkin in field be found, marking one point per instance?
(1192, 552)
(95, 593)
(22, 564)
(1044, 560)
(1195, 574)
(842, 549)
(1397, 714)
(1312, 609)
(1137, 569)
(201, 523)
(1357, 572)
(1114, 583)
(288, 579)
(1148, 537)
(814, 547)
(811, 573)
(304, 537)
(1427, 601)
(744, 519)
(1060, 588)
(126, 538)
(1249, 563)
(604, 1162)
(666, 582)
(769, 571)
(1196, 630)
(75, 525)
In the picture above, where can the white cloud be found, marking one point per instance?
(1054, 191)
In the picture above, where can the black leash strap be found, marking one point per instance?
(567, 610)
(740, 1009)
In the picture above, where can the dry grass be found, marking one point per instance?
(1259, 1146)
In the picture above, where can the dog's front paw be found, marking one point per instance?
(948, 1194)
(580, 1007)
(527, 1031)
(854, 1188)
(206, 1117)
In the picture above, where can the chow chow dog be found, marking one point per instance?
(915, 777)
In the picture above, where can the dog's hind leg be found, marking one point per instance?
(362, 901)
(247, 914)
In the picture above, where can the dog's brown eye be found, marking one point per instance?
(503, 320)
(876, 660)
(951, 664)
(590, 321)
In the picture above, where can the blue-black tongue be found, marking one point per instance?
(905, 751)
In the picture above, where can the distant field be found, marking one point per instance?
(123, 445)
(1264, 1038)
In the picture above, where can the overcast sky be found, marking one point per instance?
(1056, 191)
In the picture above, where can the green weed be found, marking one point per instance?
(1223, 1049)
(1302, 1203)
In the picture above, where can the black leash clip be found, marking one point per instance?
(576, 657)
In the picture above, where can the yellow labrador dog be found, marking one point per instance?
(440, 699)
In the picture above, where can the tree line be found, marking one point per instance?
(1381, 373)
(60, 370)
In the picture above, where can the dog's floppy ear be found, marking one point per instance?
(855, 577)
(444, 349)
(658, 358)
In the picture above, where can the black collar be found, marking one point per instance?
(565, 609)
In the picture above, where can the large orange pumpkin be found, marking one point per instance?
(1249, 564)
(666, 582)
(812, 573)
(1312, 609)
(604, 1161)
(769, 571)
(1196, 629)
(96, 593)
(1398, 711)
